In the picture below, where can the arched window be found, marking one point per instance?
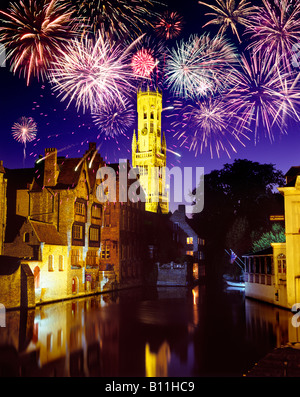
(50, 263)
(60, 263)
(281, 262)
(26, 237)
(36, 274)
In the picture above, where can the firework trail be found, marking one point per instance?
(227, 13)
(33, 33)
(275, 29)
(200, 66)
(24, 130)
(116, 118)
(169, 25)
(118, 17)
(265, 95)
(93, 73)
(207, 125)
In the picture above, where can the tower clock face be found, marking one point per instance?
(144, 131)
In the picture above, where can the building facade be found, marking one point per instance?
(188, 241)
(74, 244)
(273, 275)
(149, 150)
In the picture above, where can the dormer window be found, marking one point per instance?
(79, 208)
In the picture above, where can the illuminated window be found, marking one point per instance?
(75, 258)
(94, 234)
(77, 232)
(281, 260)
(79, 208)
(189, 240)
(190, 253)
(92, 258)
(96, 211)
(60, 263)
(50, 263)
(102, 251)
(107, 251)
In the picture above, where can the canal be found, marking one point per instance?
(144, 332)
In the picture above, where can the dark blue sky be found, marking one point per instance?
(61, 128)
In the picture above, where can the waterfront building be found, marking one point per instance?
(73, 244)
(189, 242)
(273, 275)
(149, 151)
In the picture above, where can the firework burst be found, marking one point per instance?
(207, 125)
(227, 13)
(143, 62)
(92, 73)
(200, 66)
(118, 17)
(275, 29)
(24, 130)
(115, 119)
(34, 32)
(169, 25)
(265, 95)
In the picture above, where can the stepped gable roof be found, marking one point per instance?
(47, 233)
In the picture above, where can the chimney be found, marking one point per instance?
(50, 169)
(2, 170)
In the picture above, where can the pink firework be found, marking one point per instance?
(24, 130)
(143, 62)
(169, 25)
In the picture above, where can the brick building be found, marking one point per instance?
(72, 243)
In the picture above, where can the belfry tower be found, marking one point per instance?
(149, 150)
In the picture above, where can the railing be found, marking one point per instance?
(256, 278)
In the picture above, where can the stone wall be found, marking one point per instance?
(172, 274)
(17, 284)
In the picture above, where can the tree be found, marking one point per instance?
(238, 200)
(275, 235)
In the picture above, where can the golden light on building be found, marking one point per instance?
(149, 150)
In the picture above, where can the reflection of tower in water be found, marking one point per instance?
(157, 363)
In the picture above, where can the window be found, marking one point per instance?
(102, 251)
(281, 260)
(92, 258)
(50, 263)
(75, 258)
(189, 240)
(26, 237)
(77, 232)
(190, 253)
(107, 251)
(60, 263)
(79, 208)
(96, 211)
(94, 234)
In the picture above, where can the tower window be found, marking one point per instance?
(152, 116)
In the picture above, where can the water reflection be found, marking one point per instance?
(138, 332)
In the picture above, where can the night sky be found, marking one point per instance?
(70, 131)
